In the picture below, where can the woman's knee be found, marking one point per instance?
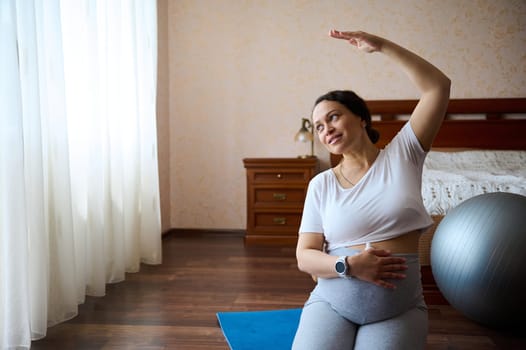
(406, 331)
(321, 327)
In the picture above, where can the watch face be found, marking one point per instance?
(340, 267)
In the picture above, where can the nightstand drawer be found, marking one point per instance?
(277, 220)
(277, 176)
(279, 196)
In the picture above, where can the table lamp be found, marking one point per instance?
(305, 134)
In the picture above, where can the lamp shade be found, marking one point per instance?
(303, 135)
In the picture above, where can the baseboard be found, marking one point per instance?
(204, 232)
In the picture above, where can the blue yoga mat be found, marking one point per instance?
(259, 330)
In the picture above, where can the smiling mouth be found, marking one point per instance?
(334, 139)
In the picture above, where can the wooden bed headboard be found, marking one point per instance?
(484, 124)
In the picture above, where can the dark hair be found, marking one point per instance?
(356, 105)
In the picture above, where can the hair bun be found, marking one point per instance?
(373, 134)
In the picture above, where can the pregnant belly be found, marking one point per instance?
(362, 302)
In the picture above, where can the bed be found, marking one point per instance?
(481, 147)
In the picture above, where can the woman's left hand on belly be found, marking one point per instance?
(377, 266)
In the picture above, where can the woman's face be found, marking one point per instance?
(337, 127)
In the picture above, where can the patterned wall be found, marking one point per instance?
(242, 73)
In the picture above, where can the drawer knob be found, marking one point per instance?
(280, 196)
(280, 221)
(279, 176)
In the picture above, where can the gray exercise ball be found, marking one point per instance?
(478, 258)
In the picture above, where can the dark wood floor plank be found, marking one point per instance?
(174, 305)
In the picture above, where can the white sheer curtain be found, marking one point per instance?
(79, 194)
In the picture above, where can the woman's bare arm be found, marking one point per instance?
(433, 85)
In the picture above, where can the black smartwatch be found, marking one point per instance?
(342, 268)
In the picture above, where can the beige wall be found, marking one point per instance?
(237, 76)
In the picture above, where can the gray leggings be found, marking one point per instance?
(353, 314)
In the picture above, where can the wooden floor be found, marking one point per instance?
(174, 305)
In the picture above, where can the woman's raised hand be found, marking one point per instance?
(361, 40)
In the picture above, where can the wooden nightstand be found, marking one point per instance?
(276, 189)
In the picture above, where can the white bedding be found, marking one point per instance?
(450, 178)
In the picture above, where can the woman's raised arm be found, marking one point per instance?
(434, 85)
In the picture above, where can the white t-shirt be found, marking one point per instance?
(385, 203)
